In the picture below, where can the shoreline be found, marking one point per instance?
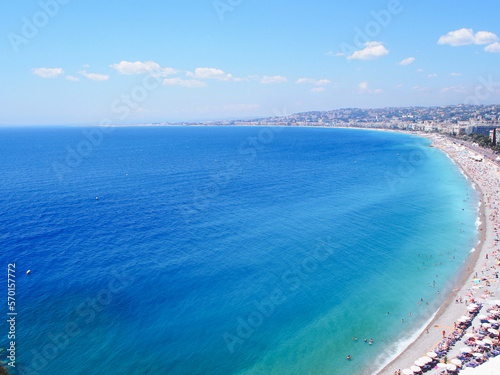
(449, 311)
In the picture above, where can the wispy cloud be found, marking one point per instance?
(458, 89)
(407, 61)
(420, 89)
(240, 107)
(318, 89)
(453, 74)
(94, 76)
(273, 79)
(72, 78)
(139, 67)
(212, 73)
(191, 83)
(315, 82)
(331, 53)
(364, 88)
(48, 72)
(372, 50)
(432, 75)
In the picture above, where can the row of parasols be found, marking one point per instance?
(424, 363)
(426, 360)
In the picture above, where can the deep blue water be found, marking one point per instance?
(225, 250)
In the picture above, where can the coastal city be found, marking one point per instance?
(452, 120)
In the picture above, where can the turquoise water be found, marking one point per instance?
(226, 250)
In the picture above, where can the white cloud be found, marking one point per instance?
(378, 91)
(94, 76)
(318, 89)
(331, 53)
(139, 67)
(363, 85)
(212, 73)
(305, 80)
(453, 74)
(274, 79)
(407, 61)
(72, 78)
(432, 75)
(183, 82)
(398, 86)
(420, 70)
(322, 82)
(465, 37)
(372, 50)
(485, 37)
(494, 47)
(47, 72)
(316, 82)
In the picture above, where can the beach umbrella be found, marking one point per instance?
(480, 342)
(456, 362)
(481, 317)
(465, 350)
(441, 365)
(415, 369)
(407, 371)
(492, 320)
(494, 331)
(477, 281)
(451, 367)
(487, 325)
(419, 363)
(425, 359)
(477, 354)
(468, 335)
(432, 354)
(473, 305)
(488, 342)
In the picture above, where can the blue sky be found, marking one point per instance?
(131, 62)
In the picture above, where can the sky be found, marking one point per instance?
(86, 62)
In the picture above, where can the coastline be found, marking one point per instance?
(449, 311)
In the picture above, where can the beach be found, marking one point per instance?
(482, 264)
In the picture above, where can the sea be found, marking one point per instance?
(224, 250)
